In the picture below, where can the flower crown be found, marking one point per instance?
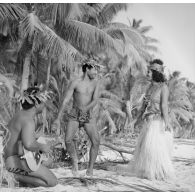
(34, 96)
(92, 63)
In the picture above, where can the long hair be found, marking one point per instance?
(158, 76)
(86, 66)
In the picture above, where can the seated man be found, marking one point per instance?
(22, 130)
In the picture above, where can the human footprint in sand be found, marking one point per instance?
(84, 91)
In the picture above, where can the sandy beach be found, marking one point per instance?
(105, 180)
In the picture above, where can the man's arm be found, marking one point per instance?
(28, 136)
(67, 98)
(95, 97)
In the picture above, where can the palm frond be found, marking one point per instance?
(134, 43)
(144, 53)
(179, 103)
(110, 95)
(84, 37)
(183, 103)
(8, 83)
(151, 48)
(133, 53)
(62, 11)
(132, 39)
(116, 34)
(11, 11)
(134, 36)
(97, 6)
(30, 25)
(144, 29)
(52, 44)
(110, 10)
(53, 83)
(136, 23)
(173, 119)
(116, 25)
(106, 103)
(139, 88)
(150, 39)
(182, 113)
(56, 46)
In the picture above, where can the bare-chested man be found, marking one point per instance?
(22, 130)
(84, 91)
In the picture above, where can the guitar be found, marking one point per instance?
(34, 159)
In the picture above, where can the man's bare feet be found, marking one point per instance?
(89, 172)
(75, 172)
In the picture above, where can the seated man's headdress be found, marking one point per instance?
(34, 95)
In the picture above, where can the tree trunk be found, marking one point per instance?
(47, 85)
(111, 122)
(114, 147)
(129, 116)
(26, 72)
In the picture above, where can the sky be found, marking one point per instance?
(174, 27)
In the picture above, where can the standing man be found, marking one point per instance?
(84, 91)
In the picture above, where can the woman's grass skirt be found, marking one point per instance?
(152, 157)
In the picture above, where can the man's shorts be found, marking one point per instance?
(77, 114)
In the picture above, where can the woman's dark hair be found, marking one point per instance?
(86, 66)
(157, 76)
(31, 91)
(156, 61)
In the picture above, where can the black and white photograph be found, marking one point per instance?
(97, 97)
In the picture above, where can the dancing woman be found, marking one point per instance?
(152, 157)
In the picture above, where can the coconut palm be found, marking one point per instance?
(149, 41)
(179, 102)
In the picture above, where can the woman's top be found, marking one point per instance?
(152, 101)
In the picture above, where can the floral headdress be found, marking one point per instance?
(92, 63)
(33, 96)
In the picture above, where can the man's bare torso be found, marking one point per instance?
(15, 128)
(83, 92)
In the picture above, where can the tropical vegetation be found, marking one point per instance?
(44, 44)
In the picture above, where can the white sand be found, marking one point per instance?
(184, 163)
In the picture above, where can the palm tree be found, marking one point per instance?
(149, 41)
(191, 92)
(179, 103)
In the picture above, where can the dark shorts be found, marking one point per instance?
(77, 114)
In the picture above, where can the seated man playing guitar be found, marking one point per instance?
(22, 138)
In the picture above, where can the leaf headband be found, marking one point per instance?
(34, 96)
(92, 63)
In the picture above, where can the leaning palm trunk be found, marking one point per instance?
(129, 115)
(47, 85)
(111, 122)
(26, 71)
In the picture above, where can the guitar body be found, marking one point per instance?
(33, 159)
